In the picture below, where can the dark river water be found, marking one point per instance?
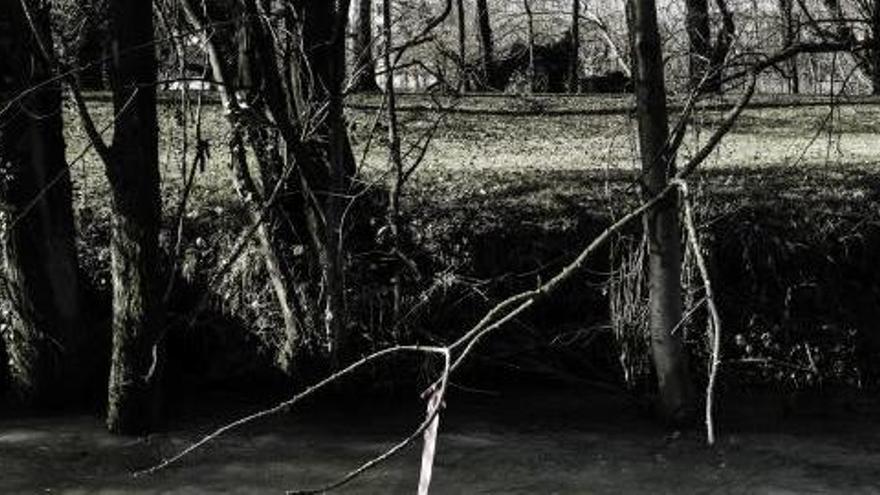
(542, 441)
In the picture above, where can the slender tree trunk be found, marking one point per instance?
(134, 178)
(272, 218)
(90, 52)
(44, 339)
(487, 45)
(325, 54)
(394, 151)
(275, 217)
(662, 224)
(365, 63)
(530, 20)
(874, 51)
(307, 82)
(721, 49)
(790, 35)
(395, 157)
(699, 40)
(341, 164)
(705, 58)
(574, 66)
(463, 76)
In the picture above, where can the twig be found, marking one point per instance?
(709, 297)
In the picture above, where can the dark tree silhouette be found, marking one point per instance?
(487, 46)
(790, 36)
(365, 62)
(705, 58)
(530, 24)
(133, 172)
(574, 72)
(39, 255)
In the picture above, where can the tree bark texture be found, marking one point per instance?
(325, 52)
(133, 173)
(44, 336)
(662, 224)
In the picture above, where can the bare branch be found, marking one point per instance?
(714, 327)
(296, 399)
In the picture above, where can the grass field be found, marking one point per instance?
(502, 149)
(788, 204)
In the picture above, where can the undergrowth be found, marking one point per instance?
(502, 203)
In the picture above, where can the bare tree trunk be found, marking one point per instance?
(699, 38)
(273, 217)
(662, 223)
(530, 20)
(341, 163)
(874, 51)
(790, 35)
(297, 76)
(365, 63)
(44, 340)
(574, 72)
(394, 151)
(463, 76)
(395, 157)
(706, 59)
(134, 178)
(325, 53)
(487, 45)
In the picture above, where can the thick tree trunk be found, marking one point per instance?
(661, 224)
(574, 66)
(365, 63)
(487, 45)
(44, 338)
(463, 76)
(134, 178)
